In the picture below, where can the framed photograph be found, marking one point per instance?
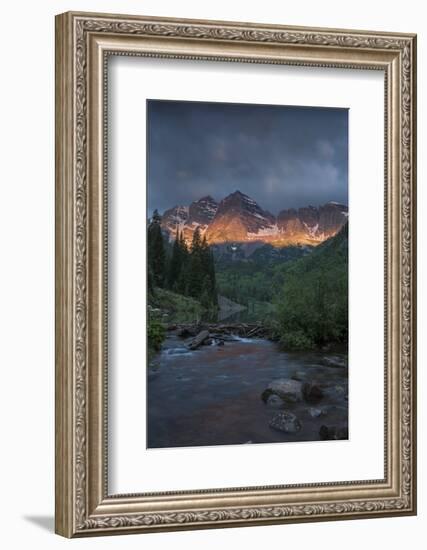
(235, 274)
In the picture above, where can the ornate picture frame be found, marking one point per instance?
(84, 42)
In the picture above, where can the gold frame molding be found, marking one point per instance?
(83, 43)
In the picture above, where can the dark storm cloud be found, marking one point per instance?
(283, 157)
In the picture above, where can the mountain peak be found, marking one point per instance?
(240, 198)
(206, 198)
(239, 218)
(237, 194)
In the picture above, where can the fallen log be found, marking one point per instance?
(255, 331)
(186, 330)
(198, 340)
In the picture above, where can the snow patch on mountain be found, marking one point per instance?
(239, 218)
(271, 231)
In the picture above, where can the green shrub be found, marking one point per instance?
(296, 340)
(156, 333)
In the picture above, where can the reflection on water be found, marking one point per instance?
(212, 396)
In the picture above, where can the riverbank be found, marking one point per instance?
(215, 395)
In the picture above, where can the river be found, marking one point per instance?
(212, 396)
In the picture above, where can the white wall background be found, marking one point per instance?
(27, 273)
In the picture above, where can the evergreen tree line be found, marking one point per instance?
(185, 270)
(313, 303)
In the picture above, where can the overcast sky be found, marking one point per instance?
(283, 157)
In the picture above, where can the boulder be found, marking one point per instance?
(287, 389)
(311, 392)
(285, 422)
(198, 340)
(315, 413)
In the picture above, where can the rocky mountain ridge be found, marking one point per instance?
(239, 219)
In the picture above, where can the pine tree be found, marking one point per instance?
(208, 267)
(194, 276)
(150, 280)
(196, 244)
(156, 250)
(182, 281)
(205, 297)
(190, 271)
(195, 266)
(175, 264)
(212, 277)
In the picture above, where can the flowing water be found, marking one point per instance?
(212, 396)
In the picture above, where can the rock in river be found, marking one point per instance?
(287, 389)
(315, 413)
(285, 422)
(312, 392)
